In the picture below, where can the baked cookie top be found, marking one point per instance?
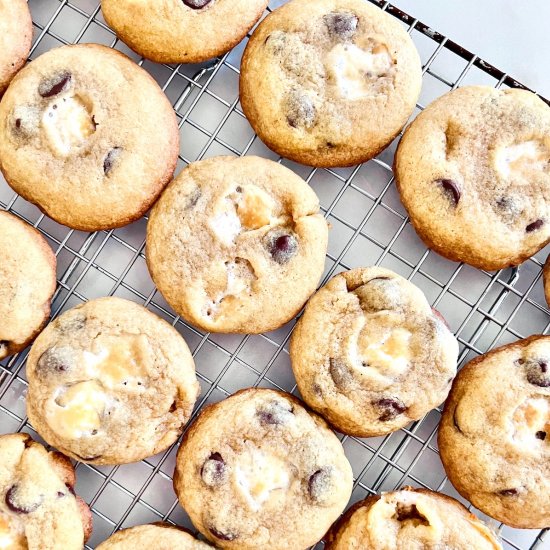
(38, 505)
(258, 471)
(110, 382)
(494, 435)
(410, 518)
(329, 82)
(182, 31)
(473, 171)
(161, 536)
(370, 354)
(15, 38)
(72, 143)
(237, 244)
(27, 283)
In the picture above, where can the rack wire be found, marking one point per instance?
(369, 226)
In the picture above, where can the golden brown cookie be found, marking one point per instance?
(329, 82)
(27, 283)
(494, 435)
(410, 519)
(182, 31)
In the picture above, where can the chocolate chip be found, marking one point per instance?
(222, 535)
(341, 24)
(55, 361)
(340, 374)
(15, 505)
(534, 226)
(508, 492)
(173, 407)
(409, 512)
(538, 373)
(282, 246)
(390, 407)
(319, 484)
(110, 159)
(276, 413)
(520, 361)
(450, 189)
(196, 4)
(51, 87)
(541, 435)
(213, 470)
(301, 112)
(18, 123)
(61, 494)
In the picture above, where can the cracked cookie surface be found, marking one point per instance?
(15, 38)
(329, 82)
(162, 536)
(494, 435)
(257, 470)
(237, 244)
(410, 519)
(27, 283)
(370, 355)
(39, 509)
(110, 382)
(182, 31)
(72, 144)
(473, 172)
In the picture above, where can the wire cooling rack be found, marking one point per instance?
(369, 226)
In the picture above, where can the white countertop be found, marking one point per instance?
(512, 35)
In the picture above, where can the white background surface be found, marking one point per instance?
(513, 35)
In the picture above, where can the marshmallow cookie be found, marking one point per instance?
(27, 283)
(329, 82)
(258, 471)
(38, 506)
(237, 244)
(110, 383)
(494, 435)
(473, 171)
(370, 355)
(410, 518)
(162, 536)
(87, 136)
(15, 38)
(182, 31)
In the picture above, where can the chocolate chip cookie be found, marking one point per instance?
(15, 38)
(494, 436)
(237, 244)
(473, 170)
(27, 283)
(110, 382)
(410, 518)
(370, 354)
(87, 136)
(329, 82)
(258, 471)
(161, 536)
(38, 506)
(182, 31)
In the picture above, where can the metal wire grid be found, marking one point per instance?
(369, 226)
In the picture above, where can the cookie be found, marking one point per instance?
(161, 536)
(27, 283)
(410, 518)
(15, 38)
(257, 470)
(110, 383)
(182, 31)
(329, 82)
(473, 170)
(494, 435)
(370, 355)
(38, 505)
(237, 244)
(87, 136)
